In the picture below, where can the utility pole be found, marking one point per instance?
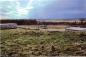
(38, 23)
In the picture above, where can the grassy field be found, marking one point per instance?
(21, 42)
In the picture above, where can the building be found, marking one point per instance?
(8, 26)
(79, 29)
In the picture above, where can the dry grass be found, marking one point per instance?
(56, 26)
(24, 42)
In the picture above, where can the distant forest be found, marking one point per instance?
(35, 22)
(20, 22)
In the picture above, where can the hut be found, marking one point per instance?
(8, 26)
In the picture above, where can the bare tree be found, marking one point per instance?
(82, 20)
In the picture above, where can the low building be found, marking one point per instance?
(8, 26)
(76, 29)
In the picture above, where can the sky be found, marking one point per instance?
(42, 9)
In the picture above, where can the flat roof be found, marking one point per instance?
(76, 28)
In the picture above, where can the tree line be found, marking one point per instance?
(82, 22)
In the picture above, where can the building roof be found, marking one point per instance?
(76, 28)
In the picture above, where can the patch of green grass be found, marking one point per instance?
(20, 42)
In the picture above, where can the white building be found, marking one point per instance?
(8, 26)
(76, 29)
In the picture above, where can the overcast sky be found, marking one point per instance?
(42, 9)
